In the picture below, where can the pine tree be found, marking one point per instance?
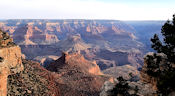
(168, 45)
(121, 88)
(166, 78)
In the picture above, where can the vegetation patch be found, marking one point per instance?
(1, 59)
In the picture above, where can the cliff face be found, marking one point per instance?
(33, 51)
(10, 60)
(32, 35)
(107, 59)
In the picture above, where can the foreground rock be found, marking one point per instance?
(20, 77)
(156, 64)
(144, 75)
(34, 80)
(10, 60)
(142, 89)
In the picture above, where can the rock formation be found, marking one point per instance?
(154, 64)
(73, 44)
(32, 35)
(33, 51)
(73, 60)
(107, 58)
(21, 77)
(5, 39)
(10, 60)
(45, 60)
(139, 88)
(78, 77)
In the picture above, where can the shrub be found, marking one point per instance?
(1, 59)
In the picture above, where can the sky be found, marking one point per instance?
(87, 9)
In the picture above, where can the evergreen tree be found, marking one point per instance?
(166, 77)
(121, 88)
(168, 45)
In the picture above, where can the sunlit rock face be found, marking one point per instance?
(32, 35)
(10, 60)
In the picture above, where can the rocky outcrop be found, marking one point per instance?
(72, 60)
(5, 39)
(10, 60)
(159, 72)
(106, 88)
(77, 76)
(151, 58)
(139, 88)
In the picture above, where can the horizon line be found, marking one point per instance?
(82, 19)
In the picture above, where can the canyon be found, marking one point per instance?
(92, 38)
(75, 57)
(71, 74)
(109, 42)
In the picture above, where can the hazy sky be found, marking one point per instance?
(87, 9)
